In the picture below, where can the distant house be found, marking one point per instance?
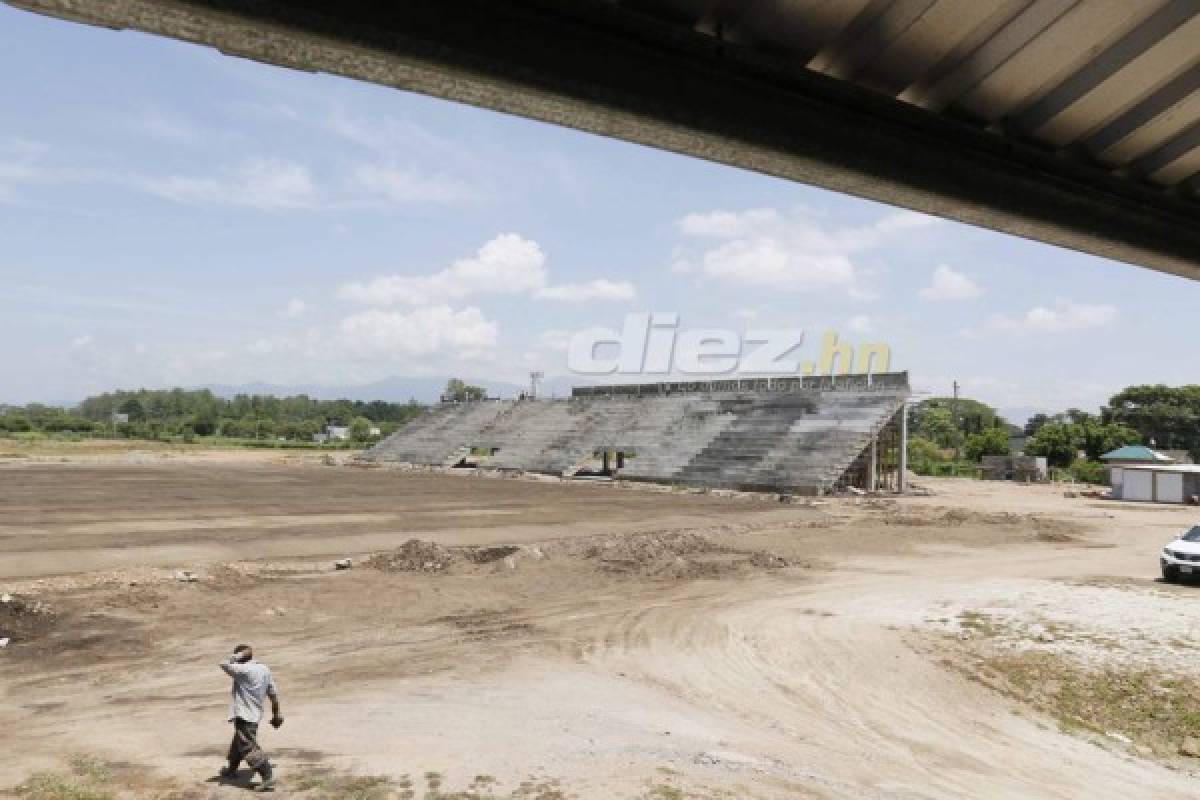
(1133, 454)
(1156, 483)
(320, 438)
(337, 432)
(374, 431)
(120, 419)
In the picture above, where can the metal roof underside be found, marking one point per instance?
(1075, 122)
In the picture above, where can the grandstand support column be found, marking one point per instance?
(901, 478)
(873, 465)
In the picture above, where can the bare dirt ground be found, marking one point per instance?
(547, 640)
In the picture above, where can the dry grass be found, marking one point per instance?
(1156, 710)
(87, 778)
(90, 778)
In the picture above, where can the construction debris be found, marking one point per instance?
(343, 563)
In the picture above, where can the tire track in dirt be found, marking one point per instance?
(843, 702)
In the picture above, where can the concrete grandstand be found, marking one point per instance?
(809, 435)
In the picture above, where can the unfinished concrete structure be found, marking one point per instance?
(805, 435)
(1074, 122)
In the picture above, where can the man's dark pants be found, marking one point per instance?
(245, 746)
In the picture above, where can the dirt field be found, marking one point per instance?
(549, 640)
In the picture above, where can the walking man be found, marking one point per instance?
(252, 685)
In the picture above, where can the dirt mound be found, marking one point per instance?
(1045, 529)
(414, 555)
(949, 517)
(23, 620)
(674, 555)
(488, 555)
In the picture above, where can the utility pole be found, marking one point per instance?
(957, 424)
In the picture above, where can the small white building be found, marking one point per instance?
(337, 432)
(1156, 483)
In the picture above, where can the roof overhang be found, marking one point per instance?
(885, 104)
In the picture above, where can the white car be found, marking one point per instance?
(1182, 556)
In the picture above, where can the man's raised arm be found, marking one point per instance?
(233, 666)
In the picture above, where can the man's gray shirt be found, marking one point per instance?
(252, 682)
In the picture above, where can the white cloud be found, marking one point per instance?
(950, 285)
(161, 124)
(794, 251)
(600, 289)
(87, 340)
(555, 340)
(295, 309)
(424, 331)
(1063, 316)
(24, 162)
(397, 185)
(508, 264)
(390, 136)
(860, 323)
(728, 224)
(267, 184)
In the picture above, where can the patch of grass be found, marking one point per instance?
(979, 622)
(86, 779)
(1154, 709)
(90, 768)
(668, 791)
(328, 785)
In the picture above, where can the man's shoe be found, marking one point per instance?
(228, 772)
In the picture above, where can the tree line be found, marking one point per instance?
(1164, 417)
(171, 413)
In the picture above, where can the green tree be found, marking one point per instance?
(1098, 439)
(457, 391)
(360, 429)
(948, 421)
(1035, 423)
(923, 453)
(936, 424)
(133, 407)
(1168, 416)
(991, 442)
(1057, 441)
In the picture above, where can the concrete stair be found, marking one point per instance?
(438, 435)
(802, 440)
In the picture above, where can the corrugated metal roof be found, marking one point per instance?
(1135, 452)
(1112, 82)
(1188, 468)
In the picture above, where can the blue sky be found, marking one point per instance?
(171, 216)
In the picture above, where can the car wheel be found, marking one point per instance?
(1170, 574)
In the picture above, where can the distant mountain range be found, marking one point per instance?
(395, 389)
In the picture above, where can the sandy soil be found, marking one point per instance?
(625, 643)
